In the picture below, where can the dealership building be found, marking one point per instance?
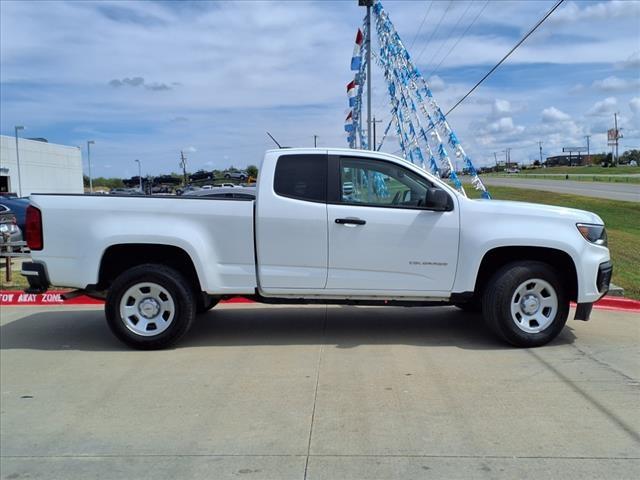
(44, 167)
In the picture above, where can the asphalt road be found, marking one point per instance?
(319, 393)
(614, 191)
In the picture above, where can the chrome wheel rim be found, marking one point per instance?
(534, 305)
(147, 309)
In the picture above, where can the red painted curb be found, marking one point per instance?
(54, 297)
(618, 303)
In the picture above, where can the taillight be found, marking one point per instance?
(33, 228)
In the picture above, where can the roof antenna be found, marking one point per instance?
(274, 140)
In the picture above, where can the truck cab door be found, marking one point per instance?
(291, 224)
(383, 238)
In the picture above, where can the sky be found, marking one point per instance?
(146, 80)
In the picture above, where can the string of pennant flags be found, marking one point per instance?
(424, 134)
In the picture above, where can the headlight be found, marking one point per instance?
(593, 233)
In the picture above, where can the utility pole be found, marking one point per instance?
(315, 141)
(368, 4)
(139, 174)
(540, 146)
(183, 165)
(615, 125)
(495, 157)
(89, 143)
(588, 151)
(374, 132)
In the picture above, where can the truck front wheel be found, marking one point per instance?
(526, 304)
(150, 307)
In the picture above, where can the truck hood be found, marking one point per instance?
(504, 207)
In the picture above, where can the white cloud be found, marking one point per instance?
(436, 84)
(603, 107)
(634, 105)
(553, 115)
(504, 125)
(633, 61)
(500, 108)
(572, 12)
(616, 84)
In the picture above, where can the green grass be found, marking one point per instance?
(623, 170)
(621, 218)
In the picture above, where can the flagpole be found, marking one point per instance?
(369, 3)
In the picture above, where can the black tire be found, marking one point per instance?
(205, 303)
(178, 291)
(227, 176)
(497, 304)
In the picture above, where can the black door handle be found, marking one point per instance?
(350, 221)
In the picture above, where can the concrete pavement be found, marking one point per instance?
(628, 192)
(317, 393)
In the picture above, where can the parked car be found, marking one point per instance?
(228, 185)
(19, 208)
(520, 264)
(9, 229)
(201, 175)
(188, 190)
(242, 175)
(126, 191)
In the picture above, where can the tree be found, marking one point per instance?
(252, 171)
(629, 156)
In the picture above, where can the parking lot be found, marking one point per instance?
(318, 393)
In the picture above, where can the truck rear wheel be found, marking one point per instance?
(526, 304)
(150, 307)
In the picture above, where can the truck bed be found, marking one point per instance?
(217, 233)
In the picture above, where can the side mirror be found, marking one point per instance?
(436, 199)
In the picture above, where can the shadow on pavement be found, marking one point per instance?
(343, 327)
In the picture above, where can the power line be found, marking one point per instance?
(434, 31)
(459, 39)
(422, 24)
(452, 31)
(547, 15)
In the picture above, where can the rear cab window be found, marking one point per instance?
(303, 177)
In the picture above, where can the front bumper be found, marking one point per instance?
(603, 280)
(36, 276)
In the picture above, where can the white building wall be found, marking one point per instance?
(44, 167)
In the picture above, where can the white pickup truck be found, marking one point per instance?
(331, 226)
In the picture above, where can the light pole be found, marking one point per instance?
(18, 127)
(89, 143)
(315, 141)
(139, 173)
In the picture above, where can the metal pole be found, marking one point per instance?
(18, 160)
(374, 133)
(374, 121)
(540, 145)
(588, 151)
(89, 142)
(315, 141)
(139, 174)
(371, 147)
(615, 119)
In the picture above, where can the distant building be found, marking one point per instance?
(566, 160)
(44, 167)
